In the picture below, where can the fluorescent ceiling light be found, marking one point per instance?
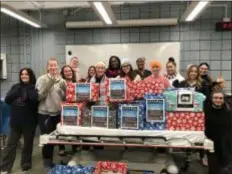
(99, 6)
(17, 14)
(199, 7)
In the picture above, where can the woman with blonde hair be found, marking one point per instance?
(51, 90)
(74, 64)
(193, 80)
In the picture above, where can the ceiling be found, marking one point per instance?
(48, 4)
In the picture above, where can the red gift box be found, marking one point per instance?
(185, 121)
(71, 96)
(148, 85)
(129, 92)
(110, 166)
(79, 116)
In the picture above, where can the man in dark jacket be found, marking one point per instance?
(218, 124)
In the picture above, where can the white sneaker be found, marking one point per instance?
(4, 173)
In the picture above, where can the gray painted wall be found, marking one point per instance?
(29, 47)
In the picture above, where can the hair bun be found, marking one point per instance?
(171, 59)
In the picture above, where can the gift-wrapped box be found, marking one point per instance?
(150, 125)
(141, 114)
(184, 100)
(63, 169)
(128, 94)
(185, 121)
(114, 167)
(148, 85)
(71, 92)
(71, 114)
(86, 116)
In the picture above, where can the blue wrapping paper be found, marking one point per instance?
(63, 169)
(154, 125)
(141, 114)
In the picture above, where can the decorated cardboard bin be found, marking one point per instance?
(148, 85)
(99, 116)
(155, 117)
(86, 116)
(185, 121)
(110, 167)
(117, 91)
(130, 116)
(82, 92)
(71, 114)
(184, 100)
(120, 90)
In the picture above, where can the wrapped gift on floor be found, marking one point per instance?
(184, 100)
(63, 169)
(130, 116)
(110, 167)
(82, 92)
(120, 90)
(185, 121)
(71, 114)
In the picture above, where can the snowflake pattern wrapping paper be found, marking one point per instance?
(71, 96)
(153, 125)
(185, 121)
(62, 169)
(141, 111)
(110, 167)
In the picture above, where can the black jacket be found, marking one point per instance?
(204, 89)
(218, 124)
(23, 99)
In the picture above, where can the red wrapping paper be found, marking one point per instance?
(185, 121)
(148, 85)
(110, 166)
(80, 108)
(71, 96)
(129, 92)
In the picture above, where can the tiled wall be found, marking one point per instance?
(26, 46)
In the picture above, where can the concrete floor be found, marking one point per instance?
(195, 167)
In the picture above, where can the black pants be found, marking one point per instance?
(28, 133)
(213, 164)
(47, 125)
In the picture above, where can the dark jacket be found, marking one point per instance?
(218, 124)
(143, 75)
(204, 89)
(23, 99)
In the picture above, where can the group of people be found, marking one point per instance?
(38, 102)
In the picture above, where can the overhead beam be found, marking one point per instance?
(104, 12)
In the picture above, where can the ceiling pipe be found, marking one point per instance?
(123, 23)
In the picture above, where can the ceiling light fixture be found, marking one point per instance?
(196, 11)
(17, 14)
(101, 9)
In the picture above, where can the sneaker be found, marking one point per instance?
(47, 170)
(26, 171)
(4, 172)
